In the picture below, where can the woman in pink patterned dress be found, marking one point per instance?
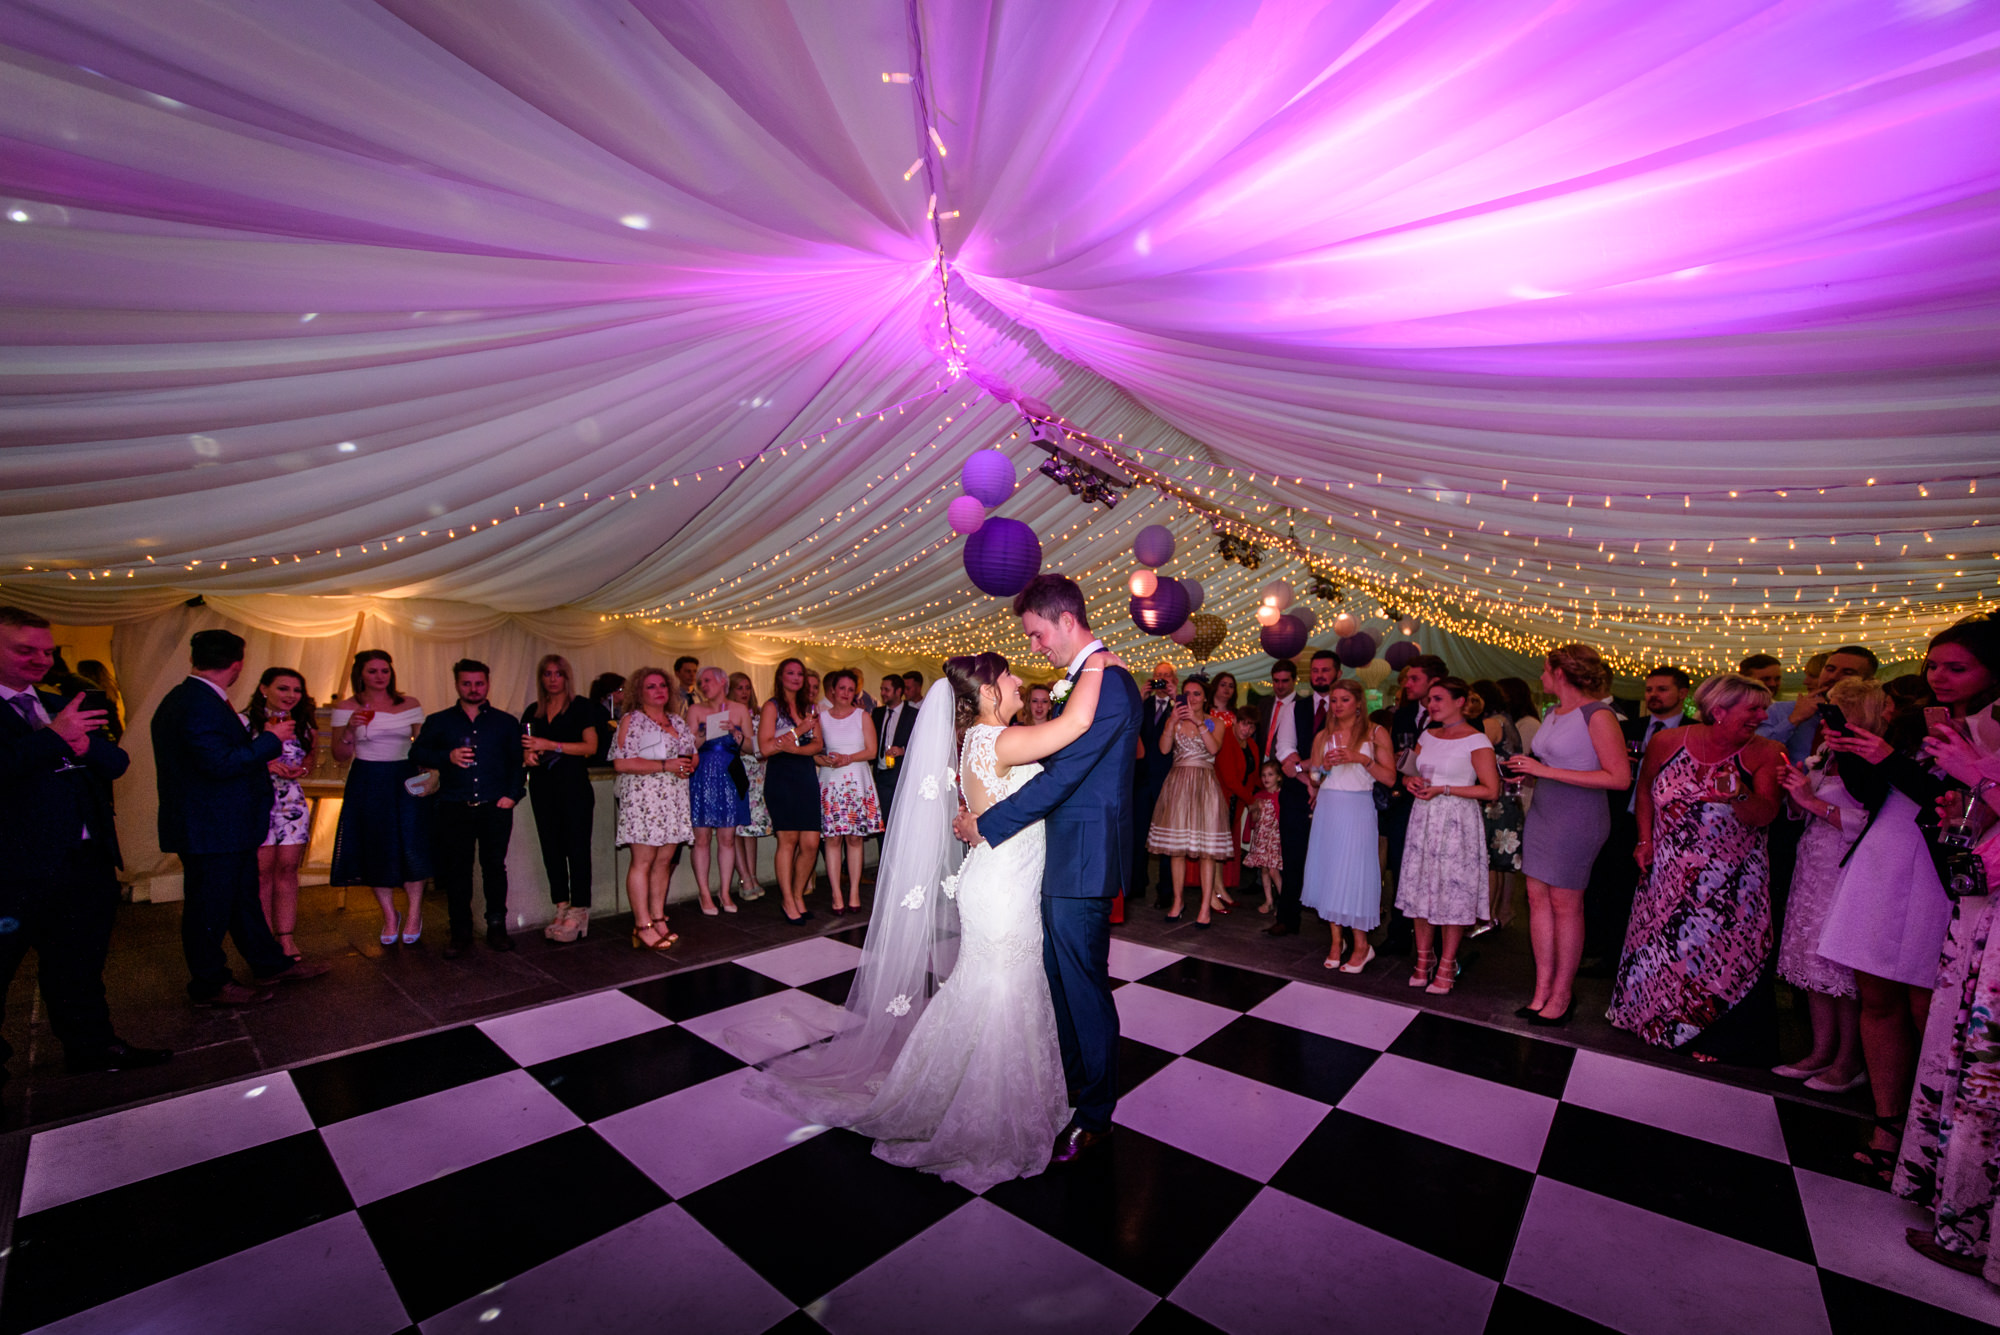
(1700, 934)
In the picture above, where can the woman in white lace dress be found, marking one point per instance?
(1443, 879)
(967, 1083)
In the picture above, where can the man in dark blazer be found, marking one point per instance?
(59, 846)
(1084, 794)
(895, 718)
(215, 811)
(1149, 776)
(1607, 902)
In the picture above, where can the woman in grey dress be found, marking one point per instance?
(1579, 753)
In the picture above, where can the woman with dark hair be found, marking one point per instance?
(1503, 815)
(849, 809)
(654, 754)
(383, 838)
(607, 692)
(559, 733)
(1442, 881)
(1223, 690)
(788, 736)
(1191, 819)
(1521, 708)
(281, 693)
(1700, 937)
(743, 691)
(1579, 754)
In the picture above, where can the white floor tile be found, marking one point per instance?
(1166, 1019)
(803, 962)
(1743, 1119)
(71, 1162)
(695, 1136)
(1485, 1118)
(1332, 1013)
(1858, 1231)
(394, 1149)
(763, 1027)
(563, 1027)
(1650, 1275)
(1225, 1118)
(1130, 961)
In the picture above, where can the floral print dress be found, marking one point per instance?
(291, 815)
(653, 809)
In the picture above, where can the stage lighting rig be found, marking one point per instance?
(1086, 482)
(1232, 548)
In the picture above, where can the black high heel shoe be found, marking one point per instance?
(1551, 1021)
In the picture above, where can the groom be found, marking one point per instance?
(1084, 792)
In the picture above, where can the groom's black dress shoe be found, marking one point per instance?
(1280, 929)
(1075, 1142)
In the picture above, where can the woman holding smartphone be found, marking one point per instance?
(1191, 819)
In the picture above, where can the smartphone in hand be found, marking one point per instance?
(1833, 718)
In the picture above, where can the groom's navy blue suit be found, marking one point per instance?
(1084, 793)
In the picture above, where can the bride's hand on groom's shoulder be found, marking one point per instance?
(1104, 658)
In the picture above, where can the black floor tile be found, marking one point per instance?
(1318, 1068)
(873, 1207)
(1490, 1054)
(459, 1235)
(1139, 1206)
(1824, 1140)
(1139, 1062)
(1451, 1203)
(1724, 1190)
(363, 1082)
(1514, 1311)
(85, 1252)
(692, 992)
(1218, 984)
(612, 1077)
(1854, 1307)
(798, 1323)
(853, 936)
(1166, 1319)
(833, 988)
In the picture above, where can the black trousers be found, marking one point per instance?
(220, 899)
(66, 919)
(564, 813)
(458, 830)
(1607, 903)
(1294, 836)
(1401, 936)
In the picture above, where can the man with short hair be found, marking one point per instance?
(1149, 776)
(215, 811)
(1293, 733)
(1765, 670)
(476, 750)
(1794, 724)
(687, 671)
(59, 845)
(1607, 903)
(913, 688)
(895, 718)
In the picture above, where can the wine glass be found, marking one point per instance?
(1726, 783)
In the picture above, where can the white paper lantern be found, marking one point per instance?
(1142, 583)
(1278, 594)
(1267, 615)
(1346, 624)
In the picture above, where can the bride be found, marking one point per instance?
(947, 1053)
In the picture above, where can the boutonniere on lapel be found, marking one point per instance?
(1060, 691)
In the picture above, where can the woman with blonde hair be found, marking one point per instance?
(721, 726)
(654, 754)
(559, 736)
(1343, 880)
(1578, 754)
(744, 692)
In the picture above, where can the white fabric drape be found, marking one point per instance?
(1426, 282)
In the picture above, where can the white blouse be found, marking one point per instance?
(387, 736)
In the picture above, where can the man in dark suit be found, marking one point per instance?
(59, 845)
(1291, 736)
(1149, 775)
(895, 718)
(215, 811)
(1084, 793)
(1607, 902)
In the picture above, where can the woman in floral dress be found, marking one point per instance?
(849, 809)
(1503, 816)
(1442, 881)
(281, 693)
(654, 753)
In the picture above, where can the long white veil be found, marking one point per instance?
(912, 938)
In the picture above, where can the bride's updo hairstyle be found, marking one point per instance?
(967, 673)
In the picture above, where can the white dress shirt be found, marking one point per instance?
(886, 740)
(1288, 725)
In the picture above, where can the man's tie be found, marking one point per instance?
(24, 704)
(1319, 717)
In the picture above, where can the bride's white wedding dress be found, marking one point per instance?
(977, 1094)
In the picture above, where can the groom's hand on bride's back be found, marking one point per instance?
(966, 827)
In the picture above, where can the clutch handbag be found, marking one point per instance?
(424, 783)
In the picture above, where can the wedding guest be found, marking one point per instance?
(1890, 916)
(1579, 755)
(686, 668)
(894, 719)
(1036, 706)
(1411, 719)
(59, 844)
(1261, 847)
(849, 809)
(1156, 717)
(717, 803)
(1700, 937)
(607, 692)
(1949, 1153)
(1521, 708)
(1223, 688)
(1794, 724)
(383, 839)
(788, 735)
(1191, 816)
(215, 810)
(281, 694)
(814, 701)
(1503, 815)
(1236, 770)
(99, 674)
(1607, 901)
(744, 692)
(913, 688)
(1292, 732)
(561, 733)
(1343, 879)
(1764, 669)
(1442, 880)
(1834, 820)
(476, 749)
(654, 754)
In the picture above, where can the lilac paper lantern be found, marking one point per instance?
(988, 475)
(1163, 613)
(1002, 557)
(965, 515)
(1184, 633)
(1195, 594)
(1357, 650)
(1399, 654)
(1284, 637)
(1154, 545)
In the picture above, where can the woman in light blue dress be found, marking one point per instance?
(1343, 876)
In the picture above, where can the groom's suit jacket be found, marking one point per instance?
(1084, 792)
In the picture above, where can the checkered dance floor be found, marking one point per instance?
(1290, 1158)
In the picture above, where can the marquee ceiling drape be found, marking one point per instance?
(1667, 325)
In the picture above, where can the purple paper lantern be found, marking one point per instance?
(988, 475)
(1185, 633)
(1195, 594)
(965, 514)
(1164, 611)
(1399, 654)
(1356, 650)
(1002, 557)
(1154, 546)
(1284, 637)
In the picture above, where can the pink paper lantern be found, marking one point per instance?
(965, 514)
(1184, 633)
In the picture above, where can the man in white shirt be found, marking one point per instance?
(1302, 715)
(894, 719)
